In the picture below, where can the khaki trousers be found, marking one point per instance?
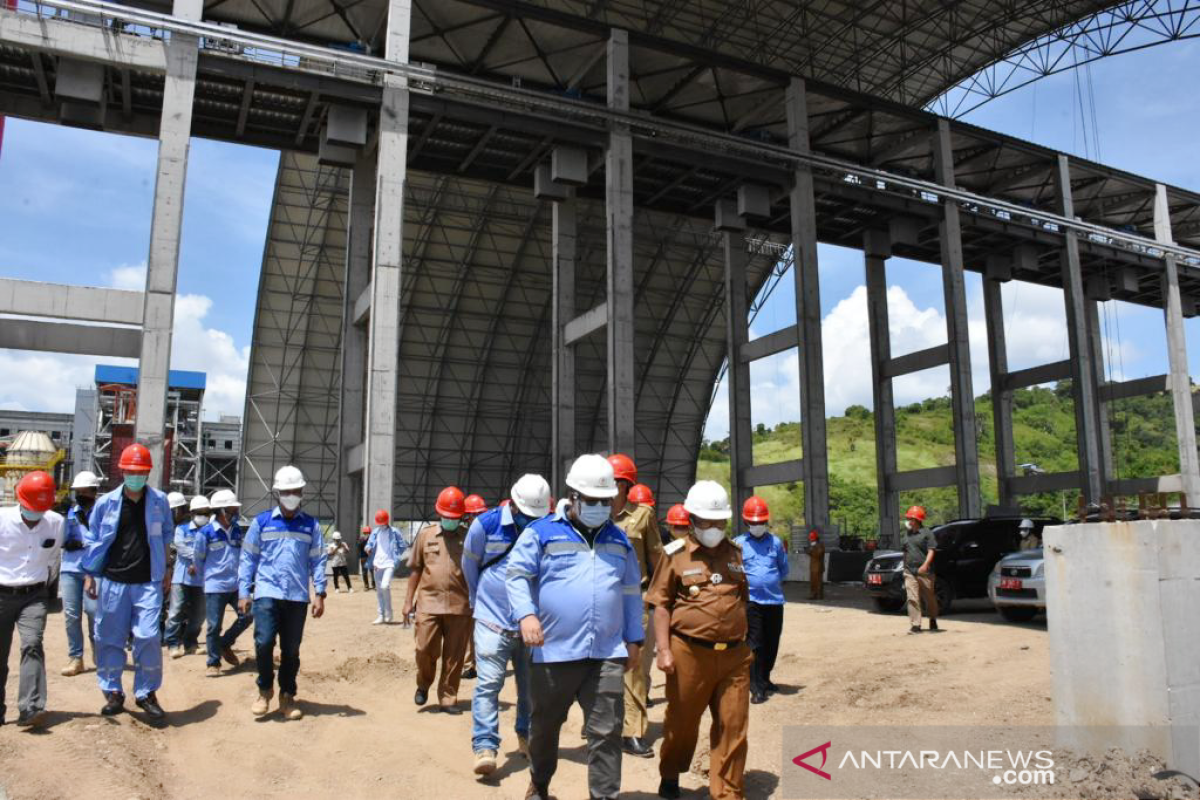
(441, 637)
(919, 589)
(637, 685)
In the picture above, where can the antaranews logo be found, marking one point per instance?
(799, 760)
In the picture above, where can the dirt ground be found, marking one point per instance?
(362, 736)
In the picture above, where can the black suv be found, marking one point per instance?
(967, 549)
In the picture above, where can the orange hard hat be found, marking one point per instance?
(678, 515)
(382, 517)
(755, 510)
(366, 529)
(915, 512)
(451, 503)
(475, 504)
(35, 491)
(135, 458)
(623, 467)
(640, 493)
(812, 536)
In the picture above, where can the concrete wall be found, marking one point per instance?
(1122, 602)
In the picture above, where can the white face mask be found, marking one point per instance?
(710, 537)
(757, 531)
(594, 515)
(289, 501)
(201, 520)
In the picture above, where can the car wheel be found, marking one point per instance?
(945, 596)
(887, 605)
(1017, 613)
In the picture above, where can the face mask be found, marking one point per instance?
(450, 524)
(85, 502)
(710, 537)
(32, 516)
(757, 530)
(201, 520)
(593, 515)
(290, 502)
(135, 483)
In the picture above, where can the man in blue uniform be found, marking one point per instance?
(218, 548)
(187, 584)
(76, 603)
(766, 563)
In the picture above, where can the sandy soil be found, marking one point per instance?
(362, 736)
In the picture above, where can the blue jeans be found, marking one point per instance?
(285, 619)
(184, 615)
(214, 608)
(75, 605)
(493, 651)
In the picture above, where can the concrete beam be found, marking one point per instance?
(618, 181)
(882, 396)
(773, 474)
(1138, 387)
(362, 306)
(771, 344)
(737, 331)
(63, 38)
(993, 307)
(1096, 345)
(1163, 483)
(930, 478)
(1035, 376)
(356, 460)
(585, 324)
(564, 244)
(61, 337)
(917, 361)
(79, 303)
(1046, 482)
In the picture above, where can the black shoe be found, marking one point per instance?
(31, 718)
(649, 702)
(469, 674)
(915, 629)
(535, 792)
(933, 625)
(115, 704)
(636, 747)
(668, 789)
(421, 697)
(758, 697)
(772, 688)
(153, 710)
(452, 710)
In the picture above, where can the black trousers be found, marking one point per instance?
(343, 572)
(765, 625)
(365, 569)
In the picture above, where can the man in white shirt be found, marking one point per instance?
(31, 537)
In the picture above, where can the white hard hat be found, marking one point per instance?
(176, 500)
(224, 498)
(531, 495)
(288, 478)
(200, 503)
(708, 500)
(85, 480)
(592, 476)
(337, 537)
(1026, 524)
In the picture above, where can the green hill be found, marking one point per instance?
(1143, 443)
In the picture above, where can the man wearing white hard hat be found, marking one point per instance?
(574, 586)
(490, 542)
(218, 552)
(76, 603)
(283, 550)
(186, 615)
(338, 551)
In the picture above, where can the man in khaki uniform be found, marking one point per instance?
(816, 567)
(920, 546)
(443, 605)
(641, 528)
(700, 596)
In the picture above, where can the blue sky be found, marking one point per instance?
(75, 207)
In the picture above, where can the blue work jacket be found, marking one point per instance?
(75, 531)
(217, 554)
(280, 555)
(185, 541)
(106, 516)
(399, 548)
(766, 563)
(489, 536)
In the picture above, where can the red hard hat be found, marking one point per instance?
(35, 491)
(755, 510)
(915, 512)
(135, 458)
(640, 493)
(475, 504)
(678, 515)
(623, 467)
(382, 517)
(450, 503)
(366, 529)
(812, 536)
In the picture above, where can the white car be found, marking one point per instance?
(1017, 585)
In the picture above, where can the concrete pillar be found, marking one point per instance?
(618, 181)
(876, 250)
(1180, 381)
(962, 393)
(1082, 368)
(162, 263)
(1002, 400)
(1096, 343)
(379, 463)
(563, 311)
(737, 333)
(808, 315)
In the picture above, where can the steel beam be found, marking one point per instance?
(61, 337)
(563, 442)
(962, 393)
(618, 181)
(875, 263)
(78, 303)
(808, 314)
(737, 332)
(1002, 398)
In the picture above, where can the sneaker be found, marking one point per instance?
(387, 620)
(669, 789)
(175, 652)
(378, 620)
(150, 705)
(350, 590)
(263, 704)
(213, 670)
(230, 657)
(30, 719)
(523, 746)
(915, 629)
(115, 704)
(191, 649)
(485, 762)
(75, 667)
(288, 707)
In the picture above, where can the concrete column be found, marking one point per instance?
(379, 463)
(350, 512)
(1002, 399)
(1082, 369)
(737, 333)
(618, 180)
(1180, 381)
(162, 263)
(876, 249)
(1096, 343)
(563, 311)
(808, 315)
(962, 393)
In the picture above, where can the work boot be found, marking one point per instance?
(175, 651)
(485, 762)
(523, 745)
(75, 667)
(288, 707)
(115, 704)
(263, 704)
(230, 657)
(213, 670)
(153, 710)
(535, 792)
(421, 697)
(669, 788)
(636, 747)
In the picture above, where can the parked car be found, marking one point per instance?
(1017, 585)
(967, 551)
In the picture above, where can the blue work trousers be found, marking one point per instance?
(214, 606)
(125, 610)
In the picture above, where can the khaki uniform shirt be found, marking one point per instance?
(437, 555)
(705, 590)
(641, 528)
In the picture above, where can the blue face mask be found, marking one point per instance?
(450, 524)
(593, 515)
(135, 483)
(32, 516)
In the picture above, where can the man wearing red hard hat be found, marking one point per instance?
(919, 549)
(31, 537)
